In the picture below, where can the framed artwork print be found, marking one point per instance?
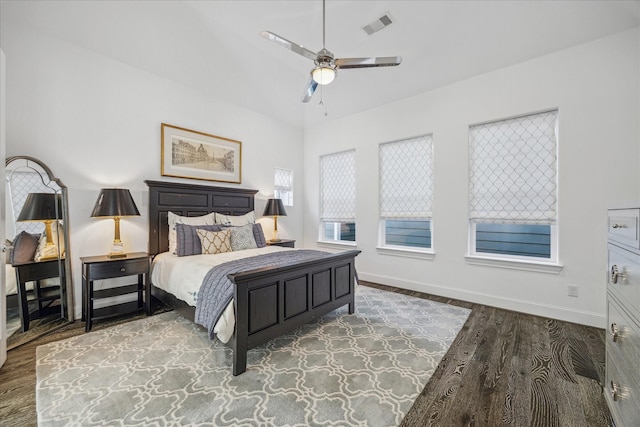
(198, 155)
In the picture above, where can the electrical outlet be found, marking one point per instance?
(572, 290)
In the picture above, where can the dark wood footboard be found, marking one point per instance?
(270, 302)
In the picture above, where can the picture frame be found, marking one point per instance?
(187, 153)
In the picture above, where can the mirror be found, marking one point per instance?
(38, 267)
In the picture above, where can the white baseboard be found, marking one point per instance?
(597, 320)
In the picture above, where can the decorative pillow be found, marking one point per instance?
(236, 221)
(187, 240)
(24, 248)
(174, 219)
(55, 250)
(242, 238)
(258, 235)
(215, 242)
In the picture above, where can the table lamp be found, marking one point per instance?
(43, 207)
(115, 203)
(274, 208)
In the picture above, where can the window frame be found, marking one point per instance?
(288, 201)
(519, 262)
(383, 246)
(553, 255)
(322, 222)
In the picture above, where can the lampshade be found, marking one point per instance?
(41, 207)
(323, 74)
(274, 208)
(47, 208)
(115, 203)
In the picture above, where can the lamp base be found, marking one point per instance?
(117, 250)
(275, 240)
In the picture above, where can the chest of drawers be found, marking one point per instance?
(622, 378)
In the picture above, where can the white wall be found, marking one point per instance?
(96, 123)
(596, 88)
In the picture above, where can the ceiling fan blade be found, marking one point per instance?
(309, 90)
(300, 50)
(386, 61)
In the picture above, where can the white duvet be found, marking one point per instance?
(182, 277)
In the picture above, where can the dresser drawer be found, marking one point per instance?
(118, 268)
(623, 336)
(621, 392)
(624, 278)
(624, 227)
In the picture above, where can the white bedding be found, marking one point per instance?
(12, 285)
(183, 276)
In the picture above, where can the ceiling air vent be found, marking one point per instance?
(378, 24)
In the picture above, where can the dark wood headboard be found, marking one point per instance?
(190, 200)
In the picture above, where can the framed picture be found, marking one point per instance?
(198, 155)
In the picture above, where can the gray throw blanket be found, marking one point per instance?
(217, 290)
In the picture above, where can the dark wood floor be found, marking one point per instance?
(504, 368)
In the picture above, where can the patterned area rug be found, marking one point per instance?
(364, 369)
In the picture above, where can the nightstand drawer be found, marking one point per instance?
(623, 336)
(624, 227)
(621, 392)
(624, 278)
(117, 269)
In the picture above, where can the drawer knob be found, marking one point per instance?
(123, 269)
(616, 273)
(618, 226)
(614, 389)
(614, 332)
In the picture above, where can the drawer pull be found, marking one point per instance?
(123, 269)
(614, 389)
(614, 332)
(617, 274)
(618, 226)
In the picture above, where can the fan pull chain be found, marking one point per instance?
(322, 101)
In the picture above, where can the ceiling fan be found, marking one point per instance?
(326, 65)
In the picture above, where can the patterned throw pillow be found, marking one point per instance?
(242, 238)
(188, 242)
(236, 221)
(258, 235)
(173, 219)
(215, 242)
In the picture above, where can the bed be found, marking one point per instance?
(268, 301)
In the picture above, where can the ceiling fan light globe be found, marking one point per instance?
(323, 75)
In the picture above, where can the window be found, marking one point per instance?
(406, 187)
(512, 187)
(283, 186)
(338, 197)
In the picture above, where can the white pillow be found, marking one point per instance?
(174, 219)
(236, 221)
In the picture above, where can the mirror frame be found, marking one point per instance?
(68, 308)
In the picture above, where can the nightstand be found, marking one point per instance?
(285, 243)
(43, 296)
(104, 267)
